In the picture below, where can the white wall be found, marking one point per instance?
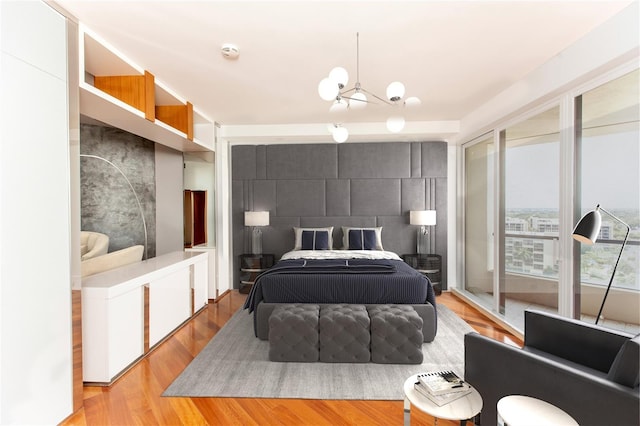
(35, 282)
(169, 214)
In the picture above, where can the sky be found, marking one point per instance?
(611, 173)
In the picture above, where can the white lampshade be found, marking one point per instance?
(340, 76)
(340, 134)
(395, 124)
(328, 89)
(395, 91)
(256, 218)
(358, 101)
(422, 217)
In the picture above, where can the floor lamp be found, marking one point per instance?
(587, 230)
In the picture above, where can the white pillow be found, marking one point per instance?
(298, 233)
(345, 236)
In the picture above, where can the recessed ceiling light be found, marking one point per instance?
(230, 51)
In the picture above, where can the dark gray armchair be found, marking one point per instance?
(589, 371)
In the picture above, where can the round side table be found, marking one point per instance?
(519, 410)
(463, 408)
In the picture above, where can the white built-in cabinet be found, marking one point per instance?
(128, 311)
(35, 290)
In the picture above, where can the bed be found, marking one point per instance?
(367, 277)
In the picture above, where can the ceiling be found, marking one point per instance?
(453, 55)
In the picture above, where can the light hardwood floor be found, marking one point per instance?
(135, 399)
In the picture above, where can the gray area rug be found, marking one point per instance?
(236, 364)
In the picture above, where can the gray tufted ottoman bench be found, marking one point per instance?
(396, 335)
(293, 333)
(344, 333)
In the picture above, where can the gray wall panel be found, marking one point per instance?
(243, 162)
(416, 160)
(375, 197)
(379, 184)
(434, 159)
(311, 161)
(278, 237)
(261, 162)
(300, 198)
(413, 194)
(264, 196)
(338, 197)
(384, 160)
(396, 235)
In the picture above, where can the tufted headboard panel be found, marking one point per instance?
(352, 184)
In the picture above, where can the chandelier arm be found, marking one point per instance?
(376, 96)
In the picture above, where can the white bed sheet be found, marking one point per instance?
(340, 254)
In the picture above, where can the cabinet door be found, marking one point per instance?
(200, 283)
(169, 304)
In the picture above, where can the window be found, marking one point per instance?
(609, 164)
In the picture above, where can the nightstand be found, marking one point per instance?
(428, 264)
(252, 265)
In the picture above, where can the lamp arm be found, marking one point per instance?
(624, 242)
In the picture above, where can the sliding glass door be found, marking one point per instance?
(530, 219)
(609, 164)
(513, 211)
(479, 202)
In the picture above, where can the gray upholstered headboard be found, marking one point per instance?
(351, 184)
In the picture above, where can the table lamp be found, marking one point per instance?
(587, 230)
(423, 218)
(256, 220)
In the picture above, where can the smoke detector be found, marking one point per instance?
(230, 51)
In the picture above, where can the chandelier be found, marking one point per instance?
(332, 88)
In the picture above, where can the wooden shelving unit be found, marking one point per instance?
(117, 92)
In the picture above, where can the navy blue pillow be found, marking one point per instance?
(315, 240)
(362, 239)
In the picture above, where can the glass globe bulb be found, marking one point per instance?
(358, 101)
(340, 134)
(340, 76)
(412, 102)
(328, 89)
(395, 124)
(339, 105)
(395, 91)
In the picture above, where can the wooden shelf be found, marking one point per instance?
(117, 92)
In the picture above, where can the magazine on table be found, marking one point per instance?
(443, 398)
(442, 382)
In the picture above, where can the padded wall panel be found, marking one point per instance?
(375, 197)
(243, 162)
(264, 195)
(397, 235)
(416, 160)
(413, 195)
(377, 160)
(261, 162)
(312, 161)
(300, 198)
(434, 159)
(338, 197)
(278, 237)
(304, 200)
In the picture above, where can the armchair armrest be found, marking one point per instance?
(585, 344)
(497, 370)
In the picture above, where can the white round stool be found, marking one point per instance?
(518, 410)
